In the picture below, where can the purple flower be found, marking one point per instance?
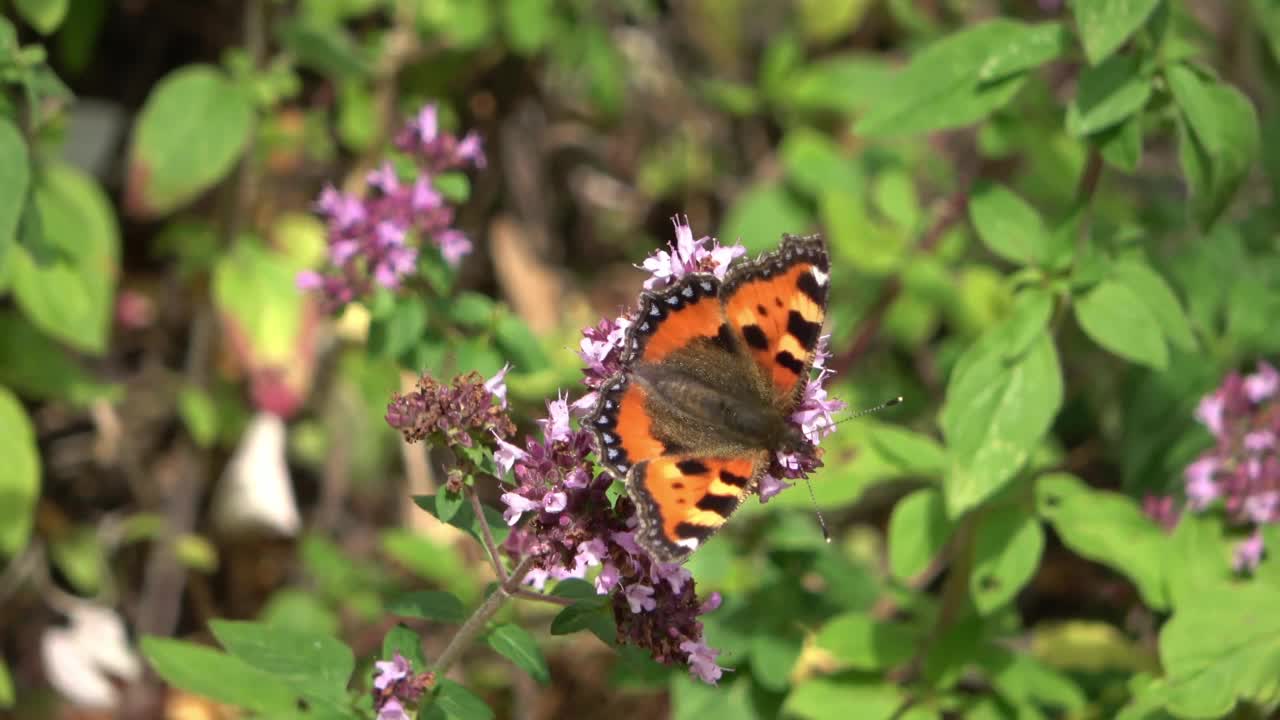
(392, 710)
(770, 486)
(712, 603)
(506, 455)
(1249, 553)
(1262, 384)
(688, 256)
(391, 671)
(608, 579)
(554, 502)
(497, 385)
(1201, 489)
(517, 505)
(1209, 412)
(376, 239)
(556, 424)
(640, 598)
(702, 662)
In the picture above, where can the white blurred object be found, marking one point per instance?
(79, 659)
(255, 493)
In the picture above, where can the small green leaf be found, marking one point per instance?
(15, 180)
(472, 310)
(841, 83)
(20, 482)
(460, 703)
(199, 414)
(191, 131)
(761, 214)
(401, 639)
(1007, 547)
(1118, 320)
(447, 504)
(393, 334)
(518, 343)
(1008, 226)
(290, 654)
(79, 555)
(465, 518)
(913, 453)
(1121, 145)
(43, 15)
(1107, 95)
(328, 48)
(918, 530)
(1105, 24)
(428, 605)
(590, 615)
(996, 412)
(216, 675)
(823, 698)
(815, 164)
(70, 295)
(517, 645)
(1156, 294)
(773, 655)
(1024, 680)
(529, 24)
(7, 697)
(860, 641)
(1106, 527)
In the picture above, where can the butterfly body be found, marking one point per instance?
(712, 371)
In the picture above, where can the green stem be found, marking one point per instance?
(475, 624)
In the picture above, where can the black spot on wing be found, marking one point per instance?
(724, 338)
(760, 309)
(803, 330)
(755, 336)
(689, 531)
(721, 505)
(671, 447)
(789, 361)
(808, 285)
(692, 467)
(735, 480)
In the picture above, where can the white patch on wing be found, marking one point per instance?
(820, 276)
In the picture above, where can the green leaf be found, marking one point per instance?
(1121, 145)
(825, 20)
(860, 641)
(517, 645)
(1156, 294)
(216, 675)
(773, 655)
(1222, 646)
(199, 414)
(43, 15)
(1224, 141)
(36, 367)
(1108, 95)
(70, 296)
(918, 530)
(1007, 547)
(20, 481)
(401, 639)
(1023, 680)
(761, 214)
(815, 164)
(996, 412)
(519, 344)
(472, 310)
(962, 78)
(832, 699)
(529, 24)
(428, 605)
(1105, 24)
(15, 180)
(293, 655)
(913, 453)
(846, 83)
(192, 129)
(7, 697)
(465, 519)
(79, 555)
(459, 702)
(1198, 558)
(1116, 318)
(591, 614)
(1008, 225)
(1108, 528)
(327, 48)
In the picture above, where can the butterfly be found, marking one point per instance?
(711, 371)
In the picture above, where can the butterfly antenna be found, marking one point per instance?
(826, 535)
(868, 411)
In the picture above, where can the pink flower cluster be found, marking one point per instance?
(1242, 469)
(375, 239)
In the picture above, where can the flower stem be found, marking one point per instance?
(489, 545)
(475, 624)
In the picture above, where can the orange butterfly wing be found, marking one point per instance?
(667, 321)
(776, 305)
(683, 499)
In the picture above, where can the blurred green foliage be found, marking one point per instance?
(1053, 229)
